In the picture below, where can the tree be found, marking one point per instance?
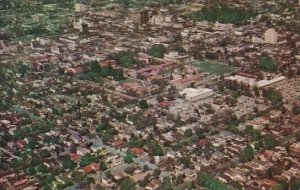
(144, 104)
(247, 154)
(103, 166)
(208, 181)
(22, 69)
(16, 163)
(128, 159)
(125, 3)
(124, 58)
(31, 143)
(48, 181)
(156, 172)
(269, 142)
(166, 184)
(145, 167)
(186, 161)
(155, 148)
(296, 109)
(179, 180)
(157, 51)
(42, 169)
(31, 170)
(101, 127)
(86, 160)
(117, 75)
(254, 133)
(45, 153)
(188, 133)
(95, 67)
(69, 164)
(267, 64)
(273, 95)
(127, 184)
(108, 173)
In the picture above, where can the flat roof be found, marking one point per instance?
(192, 92)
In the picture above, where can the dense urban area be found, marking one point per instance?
(150, 95)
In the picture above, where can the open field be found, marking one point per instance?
(213, 67)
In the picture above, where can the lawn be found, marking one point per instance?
(213, 67)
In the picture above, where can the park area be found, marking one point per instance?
(212, 67)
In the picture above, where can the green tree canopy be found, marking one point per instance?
(128, 158)
(247, 154)
(155, 148)
(188, 133)
(95, 67)
(31, 143)
(22, 69)
(124, 58)
(69, 164)
(144, 104)
(157, 51)
(87, 159)
(127, 184)
(269, 141)
(267, 64)
(208, 181)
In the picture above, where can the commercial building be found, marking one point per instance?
(196, 94)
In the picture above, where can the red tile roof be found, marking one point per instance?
(21, 143)
(20, 182)
(137, 151)
(92, 167)
(75, 157)
(203, 142)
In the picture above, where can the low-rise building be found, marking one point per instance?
(196, 94)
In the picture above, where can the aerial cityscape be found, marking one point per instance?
(150, 95)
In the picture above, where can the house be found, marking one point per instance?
(21, 143)
(203, 142)
(116, 162)
(107, 182)
(91, 168)
(295, 149)
(190, 174)
(75, 157)
(141, 17)
(118, 143)
(74, 70)
(82, 151)
(137, 151)
(79, 7)
(267, 184)
(174, 56)
(153, 185)
(134, 87)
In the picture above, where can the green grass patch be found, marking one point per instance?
(213, 67)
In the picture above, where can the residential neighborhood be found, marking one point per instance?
(140, 95)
